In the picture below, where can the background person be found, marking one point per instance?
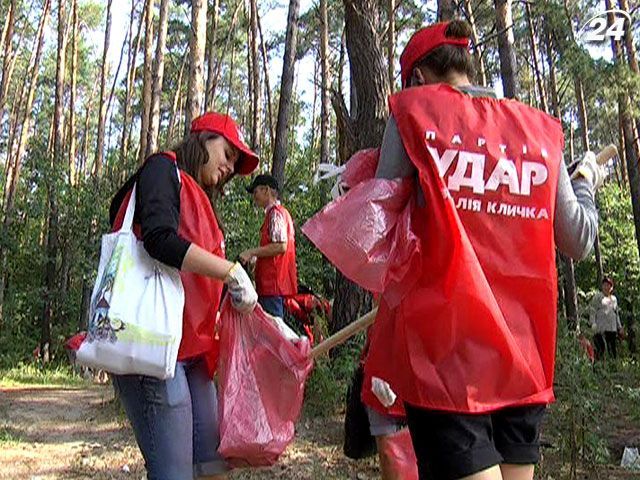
(276, 273)
(605, 320)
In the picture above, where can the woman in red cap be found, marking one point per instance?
(470, 346)
(175, 420)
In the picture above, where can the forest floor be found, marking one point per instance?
(78, 433)
(54, 432)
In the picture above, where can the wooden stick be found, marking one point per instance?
(343, 335)
(606, 153)
(603, 157)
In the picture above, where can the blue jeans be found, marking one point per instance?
(175, 421)
(273, 305)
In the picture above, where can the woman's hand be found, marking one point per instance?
(243, 295)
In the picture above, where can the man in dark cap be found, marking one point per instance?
(276, 273)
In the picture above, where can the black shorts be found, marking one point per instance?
(449, 445)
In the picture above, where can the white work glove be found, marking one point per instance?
(383, 392)
(243, 295)
(589, 169)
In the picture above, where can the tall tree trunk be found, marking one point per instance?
(477, 51)
(73, 176)
(209, 100)
(324, 87)
(631, 139)
(177, 101)
(286, 91)
(569, 287)
(267, 86)
(14, 177)
(158, 74)
(227, 42)
(582, 115)
(366, 126)
(506, 49)
(586, 146)
(50, 286)
(146, 79)
(256, 128)
(628, 40)
(446, 10)
(132, 55)
(535, 58)
(102, 109)
(553, 82)
(8, 55)
(197, 43)
(391, 43)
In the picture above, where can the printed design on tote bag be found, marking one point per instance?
(101, 327)
(106, 327)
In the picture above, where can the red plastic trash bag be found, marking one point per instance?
(360, 167)
(261, 387)
(376, 247)
(73, 343)
(397, 452)
(587, 347)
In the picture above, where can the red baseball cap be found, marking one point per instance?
(225, 126)
(422, 43)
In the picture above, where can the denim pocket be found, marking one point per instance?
(171, 392)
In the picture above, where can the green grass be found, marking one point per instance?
(8, 438)
(26, 374)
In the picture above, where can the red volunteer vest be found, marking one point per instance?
(277, 276)
(198, 225)
(477, 332)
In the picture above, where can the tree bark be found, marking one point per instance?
(267, 86)
(631, 139)
(209, 100)
(102, 109)
(586, 145)
(50, 287)
(197, 43)
(535, 58)
(146, 79)
(73, 175)
(506, 50)
(286, 91)
(481, 76)
(177, 101)
(132, 55)
(256, 117)
(446, 10)
(391, 43)
(628, 40)
(158, 74)
(365, 127)
(8, 55)
(324, 86)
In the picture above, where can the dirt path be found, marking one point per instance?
(64, 433)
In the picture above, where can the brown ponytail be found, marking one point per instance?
(442, 60)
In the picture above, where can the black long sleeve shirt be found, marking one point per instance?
(157, 209)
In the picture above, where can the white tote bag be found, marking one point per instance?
(135, 316)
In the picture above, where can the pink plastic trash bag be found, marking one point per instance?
(367, 233)
(360, 167)
(261, 388)
(398, 451)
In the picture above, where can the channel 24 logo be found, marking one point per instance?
(597, 28)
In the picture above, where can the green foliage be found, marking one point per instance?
(619, 255)
(326, 388)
